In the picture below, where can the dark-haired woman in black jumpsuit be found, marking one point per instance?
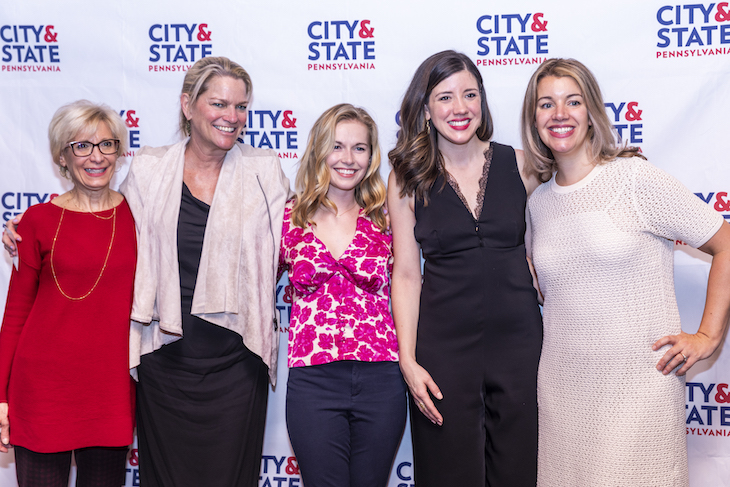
(469, 351)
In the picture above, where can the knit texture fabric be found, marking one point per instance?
(603, 252)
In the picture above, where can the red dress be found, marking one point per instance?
(64, 364)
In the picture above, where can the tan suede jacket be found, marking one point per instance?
(236, 280)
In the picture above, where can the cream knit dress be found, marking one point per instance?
(603, 252)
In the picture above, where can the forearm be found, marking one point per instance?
(406, 294)
(717, 304)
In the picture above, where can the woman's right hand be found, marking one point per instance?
(420, 383)
(4, 428)
(10, 237)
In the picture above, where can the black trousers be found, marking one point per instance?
(345, 421)
(489, 434)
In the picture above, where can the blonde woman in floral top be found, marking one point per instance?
(346, 402)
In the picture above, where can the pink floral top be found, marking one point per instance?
(340, 308)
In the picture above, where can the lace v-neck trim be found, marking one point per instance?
(482, 184)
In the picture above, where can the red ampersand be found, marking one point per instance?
(722, 15)
(132, 121)
(292, 467)
(538, 25)
(203, 35)
(288, 291)
(50, 35)
(134, 457)
(720, 203)
(631, 114)
(366, 33)
(289, 123)
(721, 396)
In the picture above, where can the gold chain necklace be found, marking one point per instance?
(348, 210)
(90, 211)
(106, 259)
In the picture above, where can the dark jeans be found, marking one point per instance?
(345, 421)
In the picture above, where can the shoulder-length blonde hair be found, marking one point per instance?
(603, 146)
(313, 176)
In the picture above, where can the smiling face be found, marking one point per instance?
(95, 171)
(561, 118)
(350, 157)
(455, 108)
(219, 114)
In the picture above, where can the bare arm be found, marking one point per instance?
(530, 182)
(690, 349)
(406, 294)
(529, 178)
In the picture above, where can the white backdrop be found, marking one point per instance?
(664, 71)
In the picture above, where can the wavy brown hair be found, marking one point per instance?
(313, 176)
(416, 158)
(603, 146)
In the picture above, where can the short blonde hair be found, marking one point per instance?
(313, 176)
(83, 117)
(198, 78)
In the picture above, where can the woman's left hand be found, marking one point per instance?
(686, 350)
(4, 428)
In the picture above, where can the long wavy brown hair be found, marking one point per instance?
(602, 146)
(416, 159)
(313, 176)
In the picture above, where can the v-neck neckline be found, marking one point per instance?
(481, 193)
(349, 245)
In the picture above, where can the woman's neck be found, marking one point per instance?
(572, 169)
(89, 201)
(463, 155)
(344, 200)
(199, 160)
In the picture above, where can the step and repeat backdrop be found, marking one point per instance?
(664, 70)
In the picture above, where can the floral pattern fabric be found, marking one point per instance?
(340, 307)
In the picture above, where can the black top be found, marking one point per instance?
(201, 339)
(477, 288)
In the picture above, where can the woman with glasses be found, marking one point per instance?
(203, 340)
(64, 380)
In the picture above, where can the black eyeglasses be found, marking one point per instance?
(85, 148)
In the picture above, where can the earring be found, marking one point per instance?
(428, 126)
(187, 126)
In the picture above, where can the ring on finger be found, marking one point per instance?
(684, 357)
(421, 405)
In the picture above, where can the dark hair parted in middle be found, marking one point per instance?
(416, 159)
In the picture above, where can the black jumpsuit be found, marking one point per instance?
(479, 336)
